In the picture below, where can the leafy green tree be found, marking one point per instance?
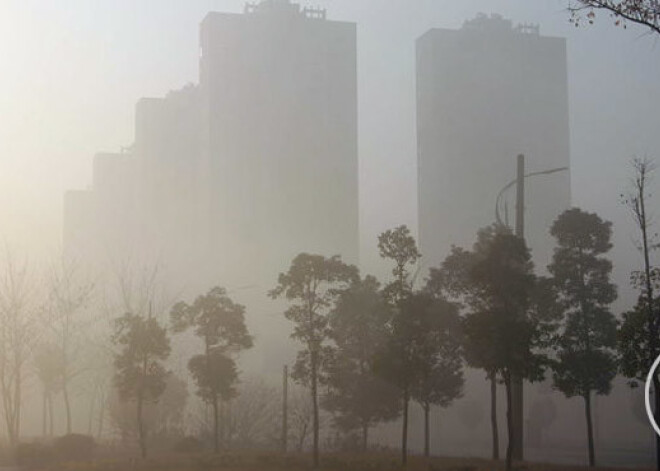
(399, 246)
(452, 280)
(510, 336)
(220, 323)
(509, 318)
(139, 372)
(645, 13)
(311, 285)
(163, 418)
(633, 342)
(440, 367)
(586, 361)
(357, 397)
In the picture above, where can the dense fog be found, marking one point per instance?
(159, 161)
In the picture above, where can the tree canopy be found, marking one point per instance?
(358, 398)
(586, 360)
(311, 285)
(220, 323)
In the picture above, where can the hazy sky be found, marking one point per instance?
(72, 71)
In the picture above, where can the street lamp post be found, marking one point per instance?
(517, 381)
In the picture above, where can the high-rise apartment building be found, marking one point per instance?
(486, 93)
(279, 105)
(229, 179)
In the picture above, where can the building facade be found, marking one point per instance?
(486, 93)
(279, 105)
(229, 179)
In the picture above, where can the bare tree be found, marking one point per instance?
(70, 292)
(301, 413)
(638, 335)
(97, 382)
(19, 308)
(48, 366)
(642, 12)
(255, 417)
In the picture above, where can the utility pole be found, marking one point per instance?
(516, 381)
(520, 197)
(285, 391)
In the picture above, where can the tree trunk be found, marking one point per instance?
(493, 416)
(509, 421)
(51, 425)
(102, 407)
(67, 407)
(141, 437)
(230, 425)
(315, 409)
(365, 437)
(223, 423)
(17, 404)
(216, 428)
(90, 420)
(653, 321)
(404, 432)
(427, 431)
(45, 413)
(590, 429)
(285, 407)
(301, 440)
(141, 432)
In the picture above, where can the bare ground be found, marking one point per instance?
(329, 462)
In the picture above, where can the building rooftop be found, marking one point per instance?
(498, 24)
(284, 7)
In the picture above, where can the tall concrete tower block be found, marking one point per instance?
(486, 93)
(278, 89)
(227, 180)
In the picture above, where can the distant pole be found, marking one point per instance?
(520, 198)
(285, 392)
(516, 381)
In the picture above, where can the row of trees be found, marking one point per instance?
(369, 349)
(373, 349)
(143, 346)
(377, 348)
